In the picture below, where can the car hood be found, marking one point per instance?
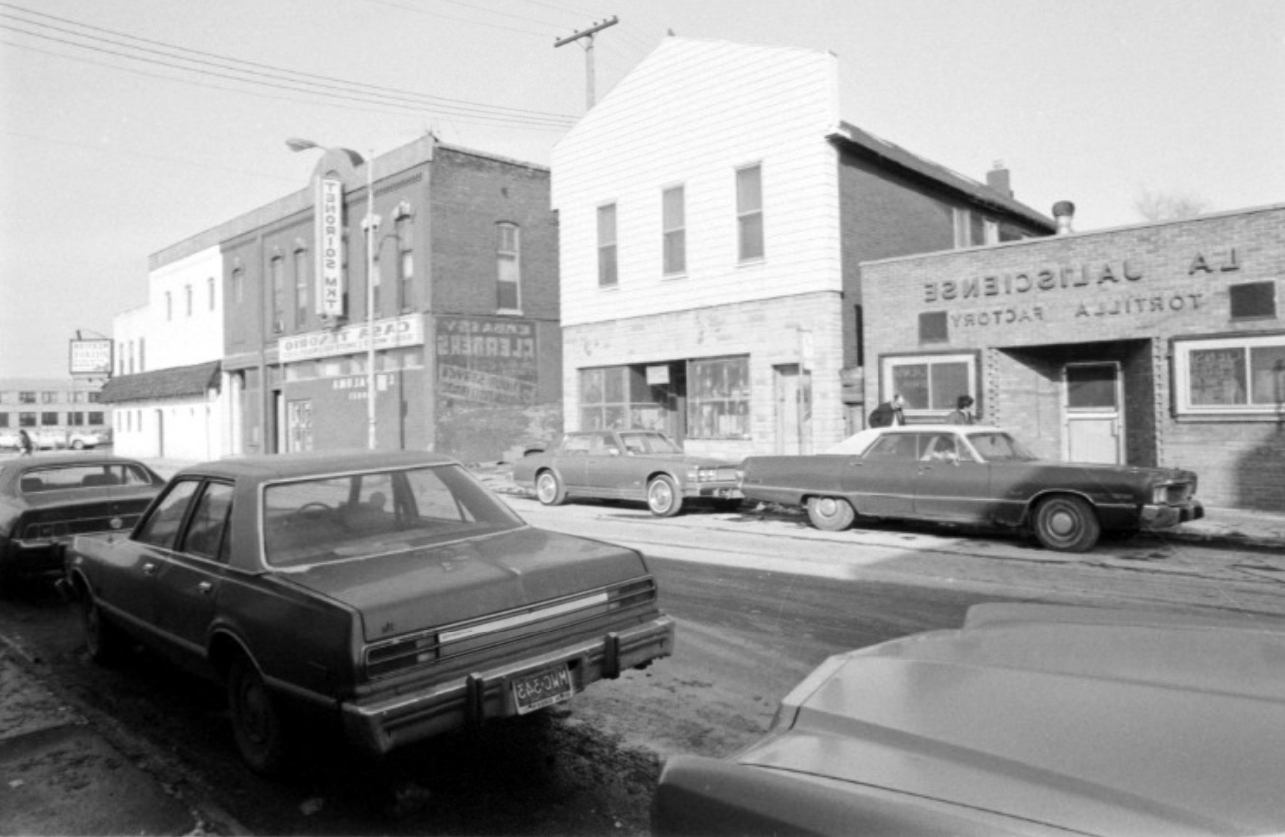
(1101, 722)
(430, 587)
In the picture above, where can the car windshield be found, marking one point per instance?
(1000, 447)
(61, 478)
(337, 518)
(648, 443)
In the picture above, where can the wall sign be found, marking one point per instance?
(487, 360)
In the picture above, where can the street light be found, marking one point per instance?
(371, 223)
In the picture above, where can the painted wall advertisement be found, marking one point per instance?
(487, 361)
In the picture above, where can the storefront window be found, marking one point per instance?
(1231, 375)
(930, 383)
(718, 398)
(608, 396)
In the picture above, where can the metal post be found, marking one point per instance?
(372, 221)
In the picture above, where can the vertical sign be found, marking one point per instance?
(330, 242)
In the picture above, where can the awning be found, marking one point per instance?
(176, 382)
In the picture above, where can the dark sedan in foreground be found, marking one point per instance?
(972, 474)
(47, 500)
(389, 594)
(1031, 719)
(641, 465)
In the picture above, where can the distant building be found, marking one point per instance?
(714, 211)
(254, 338)
(51, 406)
(1159, 344)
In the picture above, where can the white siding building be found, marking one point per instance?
(714, 211)
(721, 300)
(166, 396)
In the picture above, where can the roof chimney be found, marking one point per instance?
(997, 179)
(1063, 212)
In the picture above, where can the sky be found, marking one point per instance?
(128, 126)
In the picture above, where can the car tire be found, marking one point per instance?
(77, 445)
(549, 489)
(1066, 523)
(104, 641)
(256, 725)
(832, 514)
(663, 497)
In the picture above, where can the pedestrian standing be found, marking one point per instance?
(889, 413)
(24, 443)
(963, 412)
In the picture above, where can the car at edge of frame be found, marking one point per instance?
(388, 596)
(972, 474)
(1030, 719)
(634, 464)
(45, 501)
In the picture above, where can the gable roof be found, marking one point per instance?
(176, 382)
(890, 154)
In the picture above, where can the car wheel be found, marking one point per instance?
(104, 641)
(256, 725)
(1066, 523)
(663, 497)
(549, 489)
(833, 514)
(77, 445)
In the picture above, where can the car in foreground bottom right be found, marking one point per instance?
(1030, 719)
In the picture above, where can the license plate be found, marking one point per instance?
(541, 689)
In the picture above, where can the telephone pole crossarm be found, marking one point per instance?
(587, 34)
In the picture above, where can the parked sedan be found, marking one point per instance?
(46, 500)
(388, 595)
(972, 474)
(628, 465)
(1031, 719)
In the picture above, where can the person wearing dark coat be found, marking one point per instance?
(963, 412)
(889, 413)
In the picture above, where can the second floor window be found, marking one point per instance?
(278, 268)
(406, 261)
(607, 277)
(508, 268)
(187, 298)
(238, 286)
(675, 224)
(210, 288)
(749, 212)
(300, 287)
(169, 306)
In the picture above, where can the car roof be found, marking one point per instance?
(1101, 721)
(267, 467)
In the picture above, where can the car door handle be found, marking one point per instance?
(205, 587)
(149, 568)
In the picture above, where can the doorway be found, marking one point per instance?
(1092, 412)
(793, 410)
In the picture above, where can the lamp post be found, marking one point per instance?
(370, 223)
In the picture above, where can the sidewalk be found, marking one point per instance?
(60, 775)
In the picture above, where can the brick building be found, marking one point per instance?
(1159, 344)
(465, 317)
(713, 213)
(50, 407)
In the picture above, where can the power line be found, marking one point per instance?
(277, 77)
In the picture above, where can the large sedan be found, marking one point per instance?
(390, 595)
(972, 474)
(46, 500)
(628, 465)
(1031, 719)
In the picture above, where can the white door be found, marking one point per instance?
(1093, 419)
(789, 423)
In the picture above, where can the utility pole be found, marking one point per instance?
(588, 34)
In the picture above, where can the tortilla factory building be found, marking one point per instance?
(1154, 345)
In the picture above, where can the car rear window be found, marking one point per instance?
(63, 477)
(337, 518)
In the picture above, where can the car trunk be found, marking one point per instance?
(61, 514)
(429, 587)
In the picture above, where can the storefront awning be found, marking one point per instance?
(177, 382)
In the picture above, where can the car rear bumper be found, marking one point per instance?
(1160, 517)
(379, 725)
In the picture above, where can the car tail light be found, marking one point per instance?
(634, 593)
(406, 652)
